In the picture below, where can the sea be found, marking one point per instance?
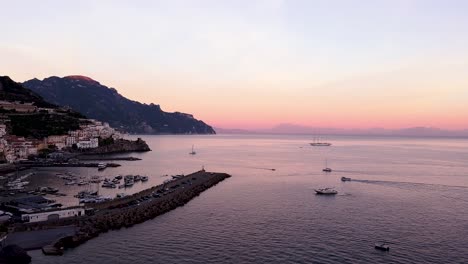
(410, 192)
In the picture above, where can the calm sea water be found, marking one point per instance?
(411, 192)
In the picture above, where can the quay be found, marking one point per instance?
(107, 158)
(127, 211)
(65, 164)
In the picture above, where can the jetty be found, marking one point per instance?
(129, 210)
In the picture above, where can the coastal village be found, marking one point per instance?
(16, 149)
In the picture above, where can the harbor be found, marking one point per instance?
(93, 218)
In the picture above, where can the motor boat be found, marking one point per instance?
(326, 191)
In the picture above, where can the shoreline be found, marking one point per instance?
(127, 211)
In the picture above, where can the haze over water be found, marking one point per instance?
(409, 191)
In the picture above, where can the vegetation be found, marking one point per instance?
(40, 125)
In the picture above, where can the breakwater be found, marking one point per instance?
(137, 208)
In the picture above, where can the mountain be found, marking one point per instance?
(320, 131)
(13, 91)
(100, 102)
(233, 131)
(37, 120)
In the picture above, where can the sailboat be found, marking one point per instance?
(193, 151)
(327, 169)
(318, 143)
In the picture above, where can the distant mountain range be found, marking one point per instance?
(100, 102)
(319, 131)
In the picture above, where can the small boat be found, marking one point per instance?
(193, 151)
(144, 178)
(82, 183)
(120, 195)
(108, 185)
(129, 183)
(102, 166)
(327, 169)
(345, 179)
(382, 246)
(326, 191)
(122, 186)
(136, 178)
(118, 177)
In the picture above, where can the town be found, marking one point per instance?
(16, 148)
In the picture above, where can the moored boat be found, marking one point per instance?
(326, 191)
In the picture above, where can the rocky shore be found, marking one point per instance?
(118, 146)
(136, 208)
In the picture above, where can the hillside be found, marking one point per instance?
(12, 91)
(100, 102)
(38, 123)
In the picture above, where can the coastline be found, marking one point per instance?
(127, 211)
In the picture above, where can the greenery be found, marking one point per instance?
(106, 141)
(41, 125)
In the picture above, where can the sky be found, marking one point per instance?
(256, 63)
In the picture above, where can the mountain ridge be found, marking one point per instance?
(89, 97)
(285, 128)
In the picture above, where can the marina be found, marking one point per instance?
(123, 210)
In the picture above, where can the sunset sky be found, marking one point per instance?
(255, 64)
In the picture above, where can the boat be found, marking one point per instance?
(108, 185)
(121, 186)
(144, 178)
(82, 183)
(129, 183)
(318, 143)
(136, 178)
(327, 169)
(345, 179)
(118, 177)
(120, 195)
(193, 151)
(382, 246)
(102, 166)
(326, 191)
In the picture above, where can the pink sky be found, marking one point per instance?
(255, 64)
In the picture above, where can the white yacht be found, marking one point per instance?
(318, 143)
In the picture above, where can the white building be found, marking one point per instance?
(87, 144)
(52, 215)
(70, 141)
(2, 130)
